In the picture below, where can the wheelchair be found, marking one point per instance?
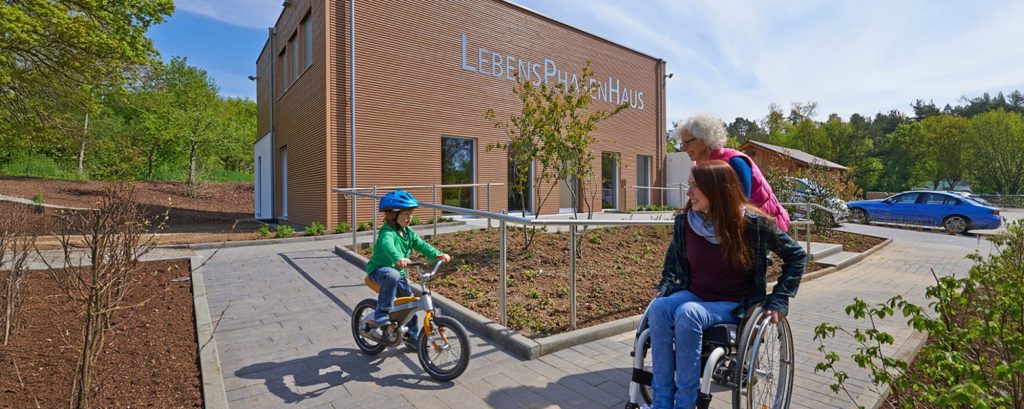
(753, 359)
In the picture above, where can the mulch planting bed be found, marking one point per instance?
(150, 358)
(615, 275)
(857, 243)
(216, 210)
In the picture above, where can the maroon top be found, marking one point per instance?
(711, 278)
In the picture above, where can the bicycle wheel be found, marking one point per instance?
(444, 352)
(766, 366)
(363, 309)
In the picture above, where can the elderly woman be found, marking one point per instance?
(703, 138)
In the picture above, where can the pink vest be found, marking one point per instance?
(761, 193)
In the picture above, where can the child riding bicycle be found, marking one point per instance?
(391, 255)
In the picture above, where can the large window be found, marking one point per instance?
(643, 178)
(307, 42)
(458, 167)
(609, 180)
(520, 199)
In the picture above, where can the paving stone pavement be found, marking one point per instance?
(285, 337)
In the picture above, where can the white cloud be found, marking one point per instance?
(245, 13)
(734, 59)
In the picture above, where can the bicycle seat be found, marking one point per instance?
(373, 286)
(721, 335)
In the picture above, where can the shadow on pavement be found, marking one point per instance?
(309, 377)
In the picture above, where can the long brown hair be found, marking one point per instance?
(726, 204)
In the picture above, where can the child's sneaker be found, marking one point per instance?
(381, 318)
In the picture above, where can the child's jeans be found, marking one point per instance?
(679, 320)
(392, 284)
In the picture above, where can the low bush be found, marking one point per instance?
(284, 231)
(314, 229)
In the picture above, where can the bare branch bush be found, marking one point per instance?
(17, 239)
(114, 238)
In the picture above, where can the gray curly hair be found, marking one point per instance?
(708, 128)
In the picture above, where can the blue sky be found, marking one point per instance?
(729, 58)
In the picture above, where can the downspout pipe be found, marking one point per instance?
(273, 137)
(352, 103)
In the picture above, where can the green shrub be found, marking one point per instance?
(534, 294)
(38, 199)
(284, 231)
(471, 293)
(263, 232)
(363, 226)
(975, 353)
(314, 229)
(415, 220)
(341, 228)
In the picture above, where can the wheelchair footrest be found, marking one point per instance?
(703, 400)
(642, 377)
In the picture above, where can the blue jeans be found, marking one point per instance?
(681, 319)
(392, 284)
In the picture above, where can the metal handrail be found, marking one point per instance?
(814, 205)
(427, 186)
(503, 219)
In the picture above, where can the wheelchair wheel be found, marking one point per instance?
(647, 391)
(765, 370)
(444, 352)
(363, 309)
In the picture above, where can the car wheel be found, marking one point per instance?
(955, 224)
(859, 216)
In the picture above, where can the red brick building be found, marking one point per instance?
(425, 72)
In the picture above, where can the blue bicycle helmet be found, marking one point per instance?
(398, 200)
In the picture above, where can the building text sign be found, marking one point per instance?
(494, 64)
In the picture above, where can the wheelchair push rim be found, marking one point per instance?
(769, 366)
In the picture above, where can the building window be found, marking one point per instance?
(609, 178)
(458, 160)
(282, 72)
(519, 200)
(643, 178)
(293, 62)
(307, 42)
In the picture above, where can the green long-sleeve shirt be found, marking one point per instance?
(391, 246)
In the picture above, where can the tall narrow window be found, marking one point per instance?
(609, 180)
(307, 42)
(643, 178)
(458, 168)
(282, 72)
(293, 62)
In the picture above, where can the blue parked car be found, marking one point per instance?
(956, 213)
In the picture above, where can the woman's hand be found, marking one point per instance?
(445, 257)
(403, 263)
(775, 316)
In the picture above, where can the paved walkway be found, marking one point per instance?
(285, 337)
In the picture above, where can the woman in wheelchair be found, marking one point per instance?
(715, 268)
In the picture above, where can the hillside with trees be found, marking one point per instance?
(84, 95)
(980, 142)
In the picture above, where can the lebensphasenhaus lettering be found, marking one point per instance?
(497, 65)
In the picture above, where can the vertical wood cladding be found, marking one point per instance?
(413, 87)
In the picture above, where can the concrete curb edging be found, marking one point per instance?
(214, 394)
(535, 348)
(302, 239)
(842, 264)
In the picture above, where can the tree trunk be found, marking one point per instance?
(81, 147)
(149, 163)
(192, 164)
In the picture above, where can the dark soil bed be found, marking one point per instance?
(150, 358)
(216, 210)
(857, 243)
(615, 276)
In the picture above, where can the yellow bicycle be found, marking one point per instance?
(443, 345)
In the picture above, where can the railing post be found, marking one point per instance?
(354, 204)
(374, 218)
(503, 279)
(435, 212)
(488, 204)
(572, 277)
(681, 195)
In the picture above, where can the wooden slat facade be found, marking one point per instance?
(411, 89)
